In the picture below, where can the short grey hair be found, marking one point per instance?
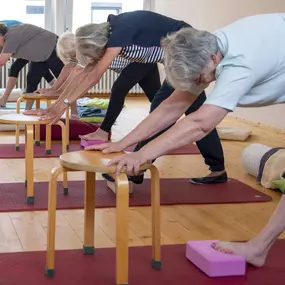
(65, 47)
(91, 41)
(186, 53)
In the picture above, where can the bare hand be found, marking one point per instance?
(40, 112)
(132, 162)
(54, 114)
(107, 147)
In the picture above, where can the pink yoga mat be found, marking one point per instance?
(174, 191)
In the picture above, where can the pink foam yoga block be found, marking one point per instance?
(86, 143)
(213, 262)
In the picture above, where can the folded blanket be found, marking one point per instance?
(90, 112)
(94, 102)
(92, 119)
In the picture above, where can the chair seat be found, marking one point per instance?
(91, 161)
(35, 96)
(21, 119)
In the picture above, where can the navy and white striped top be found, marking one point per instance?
(139, 34)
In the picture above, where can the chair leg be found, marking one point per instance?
(17, 143)
(29, 157)
(49, 269)
(89, 213)
(155, 208)
(67, 128)
(37, 127)
(48, 139)
(64, 150)
(122, 254)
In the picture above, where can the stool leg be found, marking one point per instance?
(122, 250)
(89, 213)
(29, 157)
(48, 139)
(17, 143)
(37, 127)
(155, 208)
(64, 150)
(67, 128)
(49, 269)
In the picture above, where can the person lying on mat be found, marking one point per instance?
(246, 59)
(132, 36)
(16, 68)
(33, 44)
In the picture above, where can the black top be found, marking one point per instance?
(139, 34)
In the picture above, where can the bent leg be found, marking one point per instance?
(128, 78)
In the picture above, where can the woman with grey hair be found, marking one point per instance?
(247, 61)
(135, 36)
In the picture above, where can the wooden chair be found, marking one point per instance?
(38, 98)
(91, 162)
(30, 122)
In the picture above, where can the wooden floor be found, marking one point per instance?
(26, 231)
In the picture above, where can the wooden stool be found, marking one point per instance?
(91, 162)
(30, 122)
(38, 98)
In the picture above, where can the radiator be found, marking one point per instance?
(104, 85)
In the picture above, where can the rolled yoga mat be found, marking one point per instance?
(265, 163)
(251, 157)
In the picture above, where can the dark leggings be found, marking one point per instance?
(145, 74)
(210, 146)
(19, 64)
(37, 70)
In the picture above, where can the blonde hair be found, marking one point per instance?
(65, 47)
(91, 41)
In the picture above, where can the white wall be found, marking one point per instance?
(210, 15)
(82, 9)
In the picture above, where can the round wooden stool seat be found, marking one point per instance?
(35, 96)
(22, 119)
(91, 161)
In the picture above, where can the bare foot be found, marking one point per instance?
(98, 135)
(3, 102)
(252, 253)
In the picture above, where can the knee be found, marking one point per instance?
(119, 91)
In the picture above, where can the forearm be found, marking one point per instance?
(63, 77)
(162, 117)
(184, 132)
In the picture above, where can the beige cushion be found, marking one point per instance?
(233, 133)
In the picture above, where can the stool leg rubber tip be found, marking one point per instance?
(48, 151)
(37, 143)
(17, 147)
(26, 183)
(156, 264)
(88, 250)
(30, 200)
(65, 191)
(49, 272)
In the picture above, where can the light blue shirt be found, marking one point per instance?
(252, 71)
(10, 23)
